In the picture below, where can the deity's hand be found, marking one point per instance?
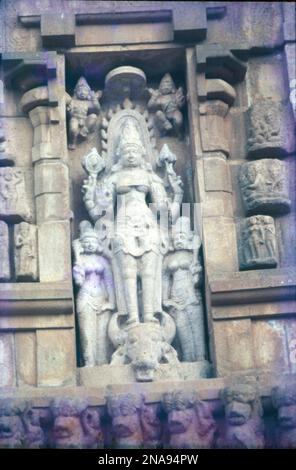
(180, 98)
(88, 190)
(108, 306)
(153, 92)
(175, 182)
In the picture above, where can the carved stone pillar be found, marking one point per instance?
(45, 338)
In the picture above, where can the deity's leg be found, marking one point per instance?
(164, 122)
(270, 248)
(149, 264)
(87, 318)
(73, 132)
(128, 271)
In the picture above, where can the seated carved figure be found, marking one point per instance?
(190, 422)
(75, 425)
(284, 400)
(243, 411)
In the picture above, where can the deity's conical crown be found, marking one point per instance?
(86, 230)
(81, 83)
(167, 81)
(129, 135)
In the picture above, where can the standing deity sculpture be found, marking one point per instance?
(181, 291)
(83, 111)
(167, 101)
(124, 200)
(137, 241)
(95, 300)
(25, 242)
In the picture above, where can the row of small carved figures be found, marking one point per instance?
(179, 420)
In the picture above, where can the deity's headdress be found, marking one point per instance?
(167, 81)
(82, 83)
(87, 231)
(129, 135)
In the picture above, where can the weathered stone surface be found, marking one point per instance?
(44, 121)
(213, 129)
(55, 358)
(217, 254)
(124, 374)
(58, 30)
(289, 22)
(51, 190)
(218, 62)
(20, 147)
(25, 357)
(25, 252)
(270, 129)
(54, 252)
(234, 346)
(5, 272)
(7, 360)
(189, 24)
(31, 298)
(217, 89)
(35, 97)
(15, 194)
(270, 338)
(216, 172)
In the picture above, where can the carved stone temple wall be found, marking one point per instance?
(147, 224)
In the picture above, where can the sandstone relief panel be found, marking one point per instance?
(264, 186)
(15, 197)
(25, 252)
(257, 243)
(270, 129)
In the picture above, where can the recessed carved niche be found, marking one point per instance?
(264, 185)
(138, 279)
